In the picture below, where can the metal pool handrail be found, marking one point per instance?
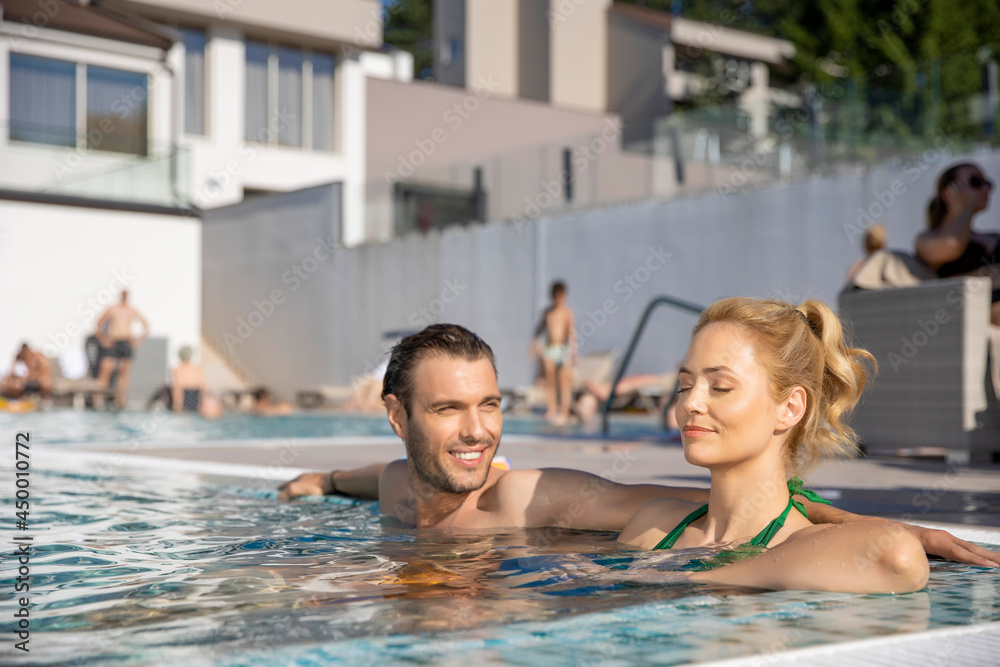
(627, 357)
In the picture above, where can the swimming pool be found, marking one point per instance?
(80, 427)
(158, 567)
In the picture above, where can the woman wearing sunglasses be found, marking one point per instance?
(950, 245)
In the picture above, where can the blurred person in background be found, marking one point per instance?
(875, 239)
(558, 354)
(114, 333)
(950, 246)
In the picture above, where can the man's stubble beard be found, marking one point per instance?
(432, 475)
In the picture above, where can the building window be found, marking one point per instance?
(42, 100)
(290, 119)
(44, 109)
(289, 97)
(451, 51)
(194, 80)
(257, 103)
(322, 102)
(116, 110)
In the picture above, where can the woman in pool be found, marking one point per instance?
(763, 390)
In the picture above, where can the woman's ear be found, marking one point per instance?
(792, 409)
(396, 414)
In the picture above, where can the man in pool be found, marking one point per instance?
(443, 401)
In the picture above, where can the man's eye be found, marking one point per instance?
(683, 389)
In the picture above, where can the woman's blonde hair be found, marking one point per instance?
(803, 347)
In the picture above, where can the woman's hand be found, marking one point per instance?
(945, 545)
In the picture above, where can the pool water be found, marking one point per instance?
(69, 426)
(154, 568)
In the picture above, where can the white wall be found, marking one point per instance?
(61, 265)
(791, 241)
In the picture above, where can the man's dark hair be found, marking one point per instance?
(449, 340)
(558, 287)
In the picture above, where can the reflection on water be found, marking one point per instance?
(171, 568)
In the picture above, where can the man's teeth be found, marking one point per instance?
(467, 456)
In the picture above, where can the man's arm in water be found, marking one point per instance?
(357, 483)
(591, 502)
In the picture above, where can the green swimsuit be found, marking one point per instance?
(754, 546)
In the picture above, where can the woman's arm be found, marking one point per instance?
(948, 242)
(935, 542)
(857, 557)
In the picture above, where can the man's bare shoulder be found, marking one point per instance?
(548, 481)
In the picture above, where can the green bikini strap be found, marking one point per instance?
(765, 536)
(795, 489)
(668, 541)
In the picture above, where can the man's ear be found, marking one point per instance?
(792, 409)
(397, 415)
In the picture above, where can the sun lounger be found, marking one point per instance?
(595, 366)
(77, 391)
(939, 367)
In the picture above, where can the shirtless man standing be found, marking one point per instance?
(114, 333)
(442, 400)
(558, 354)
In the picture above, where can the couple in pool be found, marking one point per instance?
(764, 389)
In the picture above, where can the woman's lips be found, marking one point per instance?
(696, 431)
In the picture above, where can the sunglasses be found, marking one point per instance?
(977, 183)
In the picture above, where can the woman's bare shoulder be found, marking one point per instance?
(653, 521)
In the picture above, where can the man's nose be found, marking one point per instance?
(473, 425)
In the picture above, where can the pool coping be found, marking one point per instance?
(967, 645)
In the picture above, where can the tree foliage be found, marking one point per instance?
(409, 25)
(904, 58)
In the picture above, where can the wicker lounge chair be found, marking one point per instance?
(939, 367)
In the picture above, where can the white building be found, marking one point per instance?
(120, 120)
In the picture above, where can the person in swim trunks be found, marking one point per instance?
(443, 401)
(950, 245)
(762, 390)
(557, 354)
(114, 333)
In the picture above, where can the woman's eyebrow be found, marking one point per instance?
(708, 371)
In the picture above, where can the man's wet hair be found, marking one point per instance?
(558, 288)
(449, 340)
